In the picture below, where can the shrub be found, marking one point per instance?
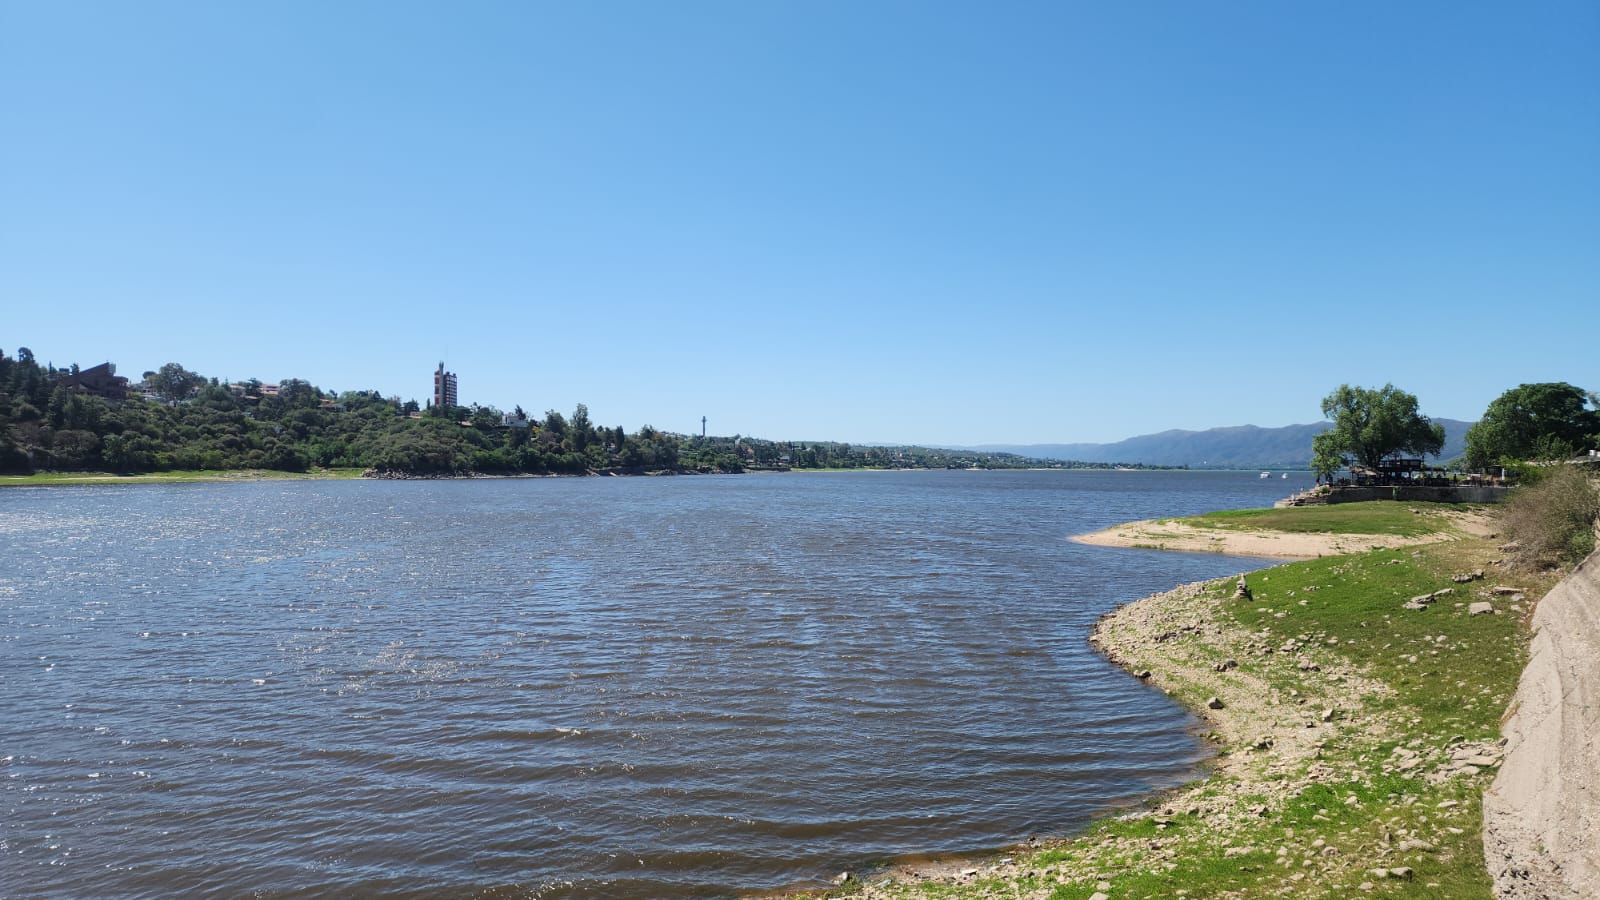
(1553, 521)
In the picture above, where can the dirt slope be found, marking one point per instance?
(1541, 832)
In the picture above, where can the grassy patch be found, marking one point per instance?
(176, 477)
(1388, 517)
(1450, 671)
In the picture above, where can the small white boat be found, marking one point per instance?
(1284, 475)
(1266, 474)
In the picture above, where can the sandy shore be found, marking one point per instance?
(1167, 534)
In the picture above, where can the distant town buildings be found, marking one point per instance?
(444, 388)
(99, 381)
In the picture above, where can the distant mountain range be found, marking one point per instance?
(1235, 447)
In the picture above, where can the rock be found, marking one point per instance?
(1504, 591)
(1214, 703)
(1225, 665)
(1328, 714)
(1264, 743)
(1404, 873)
(969, 873)
(1481, 608)
(1099, 895)
(1305, 664)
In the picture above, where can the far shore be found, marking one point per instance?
(188, 476)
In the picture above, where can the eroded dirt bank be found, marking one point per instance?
(1541, 817)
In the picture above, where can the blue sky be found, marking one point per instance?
(871, 221)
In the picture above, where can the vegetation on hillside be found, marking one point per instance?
(176, 419)
(1552, 521)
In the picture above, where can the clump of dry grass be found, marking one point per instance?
(1553, 520)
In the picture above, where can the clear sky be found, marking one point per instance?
(930, 222)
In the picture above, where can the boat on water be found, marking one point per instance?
(1266, 474)
(1284, 475)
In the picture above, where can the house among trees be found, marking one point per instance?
(99, 381)
(252, 391)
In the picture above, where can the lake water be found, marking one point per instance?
(624, 687)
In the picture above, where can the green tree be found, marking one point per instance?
(296, 394)
(1371, 425)
(582, 428)
(174, 383)
(1533, 421)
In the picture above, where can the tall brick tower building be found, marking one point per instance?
(444, 388)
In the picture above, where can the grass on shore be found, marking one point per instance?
(1382, 806)
(174, 477)
(1387, 517)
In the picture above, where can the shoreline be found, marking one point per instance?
(1286, 720)
(183, 476)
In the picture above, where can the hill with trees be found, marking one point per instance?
(174, 419)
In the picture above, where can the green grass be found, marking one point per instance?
(1461, 683)
(1375, 517)
(175, 477)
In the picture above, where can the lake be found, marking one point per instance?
(601, 687)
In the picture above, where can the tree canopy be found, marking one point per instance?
(1548, 420)
(173, 382)
(1370, 426)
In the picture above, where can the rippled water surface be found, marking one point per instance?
(568, 687)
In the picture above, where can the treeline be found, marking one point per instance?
(174, 419)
